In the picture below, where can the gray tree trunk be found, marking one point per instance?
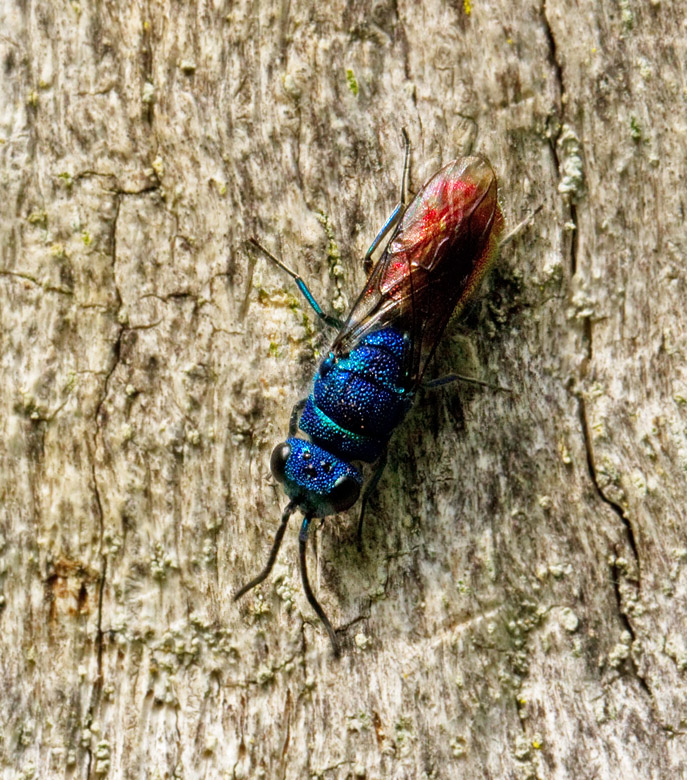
(518, 610)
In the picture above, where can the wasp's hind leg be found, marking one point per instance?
(397, 213)
(432, 384)
(329, 319)
(519, 228)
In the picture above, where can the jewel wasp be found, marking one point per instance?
(438, 247)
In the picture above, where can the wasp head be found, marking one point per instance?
(320, 483)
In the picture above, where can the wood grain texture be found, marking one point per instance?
(519, 607)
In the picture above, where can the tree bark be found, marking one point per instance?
(518, 609)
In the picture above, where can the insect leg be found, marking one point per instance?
(397, 213)
(450, 378)
(372, 484)
(297, 409)
(389, 225)
(314, 603)
(329, 319)
(405, 178)
(511, 234)
(273, 553)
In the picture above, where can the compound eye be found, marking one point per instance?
(280, 457)
(344, 493)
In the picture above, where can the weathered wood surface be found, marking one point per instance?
(519, 609)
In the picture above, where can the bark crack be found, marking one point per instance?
(591, 466)
(28, 278)
(587, 338)
(97, 444)
(287, 734)
(556, 131)
(618, 572)
(554, 58)
(573, 238)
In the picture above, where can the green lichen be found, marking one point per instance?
(361, 721)
(458, 747)
(635, 129)
(627, 15)
(352, 82)
(148, 93)
(158, 166)
(28, 773)
(303, 319)
(102, 758)
(463, 587)
(265, 675)
(333, 253)
(571, 163)
(403, 729)
(161, 563)
(521, 749)
(66, 179)
(38, 218)
(334, 259)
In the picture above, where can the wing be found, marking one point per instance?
(432, 264)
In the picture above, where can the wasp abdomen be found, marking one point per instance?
(356, 404)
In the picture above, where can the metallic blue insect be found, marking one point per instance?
(439, 247)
